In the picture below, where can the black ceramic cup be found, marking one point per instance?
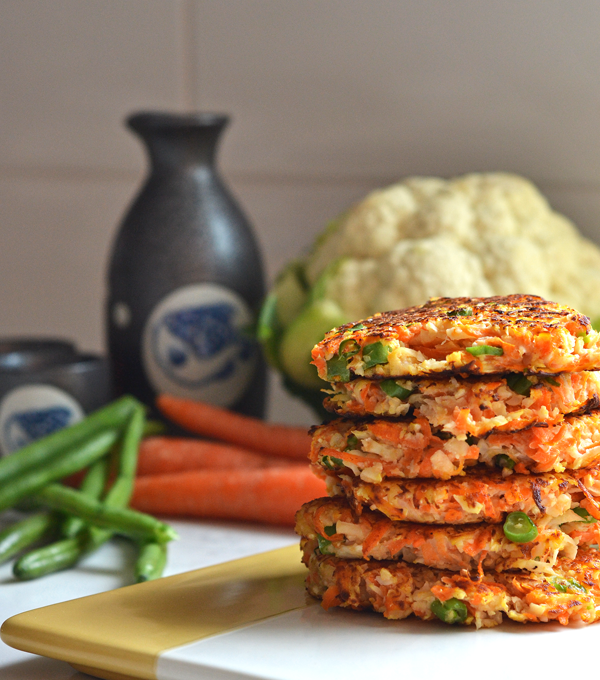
(46, 385)
(28, 354)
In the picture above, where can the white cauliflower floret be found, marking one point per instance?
(355, 285)
(513, 263)
(477, 235)
(368, 229)
(481, 234)
(446, 213)
(413, 269)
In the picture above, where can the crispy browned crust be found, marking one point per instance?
(517, 311)
(398, 589)
(479, 496)
(495, 335)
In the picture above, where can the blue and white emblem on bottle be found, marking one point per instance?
(33, 411)
(197, 344)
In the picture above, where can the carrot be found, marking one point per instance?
(330, 597)
(270, 495)
(250, 433)
(163, 455)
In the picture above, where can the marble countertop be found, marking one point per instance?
(201, 544)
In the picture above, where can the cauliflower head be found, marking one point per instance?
(476, 235)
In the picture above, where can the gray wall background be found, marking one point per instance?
(329, 99)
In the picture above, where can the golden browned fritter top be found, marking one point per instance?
(500, 310)
(514, 333)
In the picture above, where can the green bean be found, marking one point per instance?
(28, 505)
(150, 562)
(66, 553)
(128, 522)
(73, 460)
(24, 533)
(131, 444)
(60, 555)
(120, 492)
(154, 427)
(93, 485)
(43, 450)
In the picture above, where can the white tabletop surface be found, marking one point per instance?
(201, 544)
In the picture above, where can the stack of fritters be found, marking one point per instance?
(465, 469)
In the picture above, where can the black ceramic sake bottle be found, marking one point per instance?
(185, 278)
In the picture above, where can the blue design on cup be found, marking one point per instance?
(23, 427)
(199, 345)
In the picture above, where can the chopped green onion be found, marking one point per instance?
(567, 585)
(351, 443)
(330, 462)
(587, 518)
(451, 611)
(330, 530)
(462, 311)
(551, 381)
(504, 461)
(324, 545)
(375, 353)
(518, 528)
(337, 366)
(585, 336)
(471, 440)
(519, 384)
(337, 369)
(479, 350)
(348, 348)
(392, 389)
(358, 327)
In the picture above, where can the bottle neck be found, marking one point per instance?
(179, 142)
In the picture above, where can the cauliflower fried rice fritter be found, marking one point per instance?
(398, 589)
(333, 529)
(458, 413)
(377, 449)
(502, 334)
(472, 406)
(479, 496)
